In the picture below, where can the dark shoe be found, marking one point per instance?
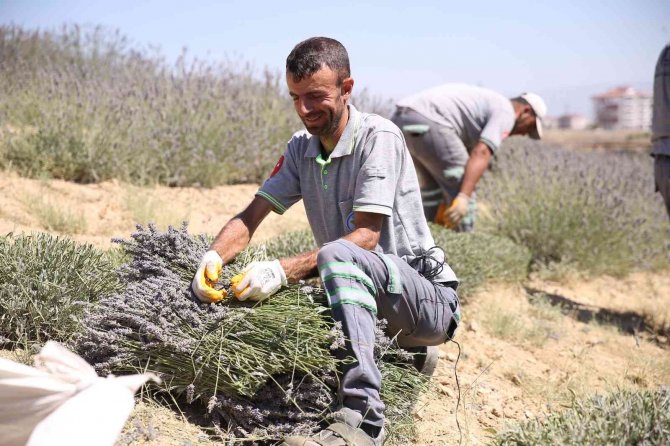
(425, 359)
(344, 431)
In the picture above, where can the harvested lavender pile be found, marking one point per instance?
(260, 371)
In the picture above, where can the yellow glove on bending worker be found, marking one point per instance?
(206, 277)
(259, 280)
(455, 213)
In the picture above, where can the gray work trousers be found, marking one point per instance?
(662, 178)
(363, 285)
(439, 158)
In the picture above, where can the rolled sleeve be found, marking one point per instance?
(377, 180)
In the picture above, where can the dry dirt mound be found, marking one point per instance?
(95, 213)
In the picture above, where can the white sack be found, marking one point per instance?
(62, 401)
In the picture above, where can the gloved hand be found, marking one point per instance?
(206, 277)
(259, 281)
(455, 213)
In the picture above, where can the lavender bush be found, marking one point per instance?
(83, 105)
(625, 417)
(595, 213)
(478, 257)
(261, 371)
(46, 283)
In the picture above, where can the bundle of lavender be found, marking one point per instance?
(261, 370)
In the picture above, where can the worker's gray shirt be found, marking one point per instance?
(475, 114)
(369, 170)
(660, 124)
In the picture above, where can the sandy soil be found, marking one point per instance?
(524, 349)
(112, 209)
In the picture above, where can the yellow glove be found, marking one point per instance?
(455, 213)
(206, 277)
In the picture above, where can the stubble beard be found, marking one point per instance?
(329, 129)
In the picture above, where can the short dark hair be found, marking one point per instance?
(310, 55)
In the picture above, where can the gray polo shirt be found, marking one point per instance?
(660, 124)
(475, 114)
(369, 170)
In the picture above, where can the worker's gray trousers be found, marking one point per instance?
(439, 158)
(363, 285)
(662, 178)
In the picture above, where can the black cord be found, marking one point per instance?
(430, 267)
(427, 264)
(458, 387)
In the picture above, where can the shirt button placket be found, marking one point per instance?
(324, 172)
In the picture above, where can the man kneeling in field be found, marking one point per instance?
(375, 255)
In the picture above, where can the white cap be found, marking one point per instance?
(540, 110)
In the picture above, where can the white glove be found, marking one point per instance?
(260, 281)
(206, 277)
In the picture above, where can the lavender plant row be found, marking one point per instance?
(260, 371)
(479, 257)
(82, 105)
(590, 212)
(623, 417)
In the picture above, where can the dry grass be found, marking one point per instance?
(53, 217)
(524, 322)
(152, 424)
(145, 206)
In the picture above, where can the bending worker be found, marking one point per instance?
(452, 131)
(363, 203)
(660, 126)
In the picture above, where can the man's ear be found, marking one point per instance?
(347, 87)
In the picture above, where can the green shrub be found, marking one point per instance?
(478, 257)
(590, 213)
(46, 282)
(625, 417)
(81, 105)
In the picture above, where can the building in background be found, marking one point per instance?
(623, 108)
(568, 121)
(550, 122)
(573, 122)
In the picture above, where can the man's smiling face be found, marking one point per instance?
(320, 101)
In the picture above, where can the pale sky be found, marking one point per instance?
(564, 50)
